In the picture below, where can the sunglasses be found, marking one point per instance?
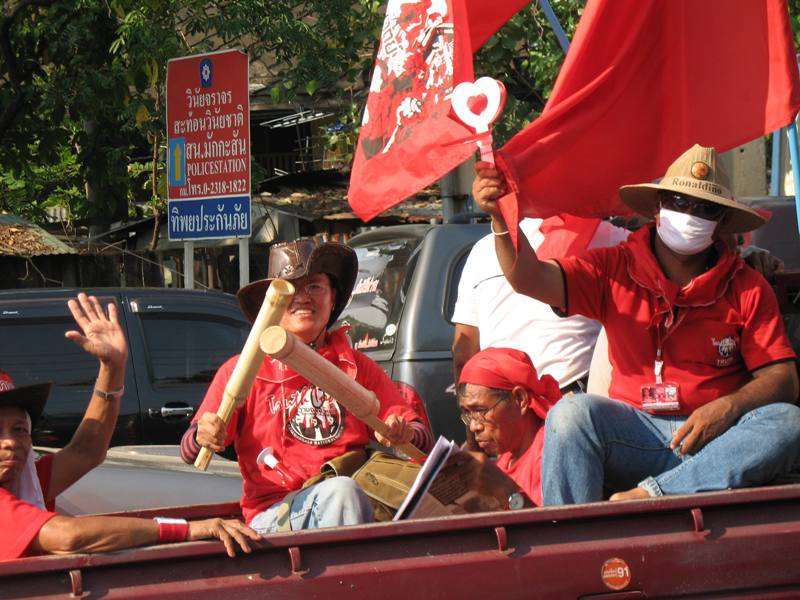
(710, 211)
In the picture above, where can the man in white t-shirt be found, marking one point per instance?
(488, 313)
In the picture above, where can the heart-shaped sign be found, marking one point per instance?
(479, 103)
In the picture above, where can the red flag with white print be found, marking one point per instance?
(407, 135)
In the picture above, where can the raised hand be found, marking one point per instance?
(100, 334)
(489, 184)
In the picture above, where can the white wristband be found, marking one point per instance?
(110, 395)
(498, 233)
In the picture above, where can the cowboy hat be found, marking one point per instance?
(292, 260)
(30, 398)
(698, 173)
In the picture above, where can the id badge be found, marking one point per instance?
(661, 397)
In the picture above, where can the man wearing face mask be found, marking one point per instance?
(704, 381)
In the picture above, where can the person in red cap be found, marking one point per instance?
(504, 404)
(704, 381)
(288, 428)
(28, 487)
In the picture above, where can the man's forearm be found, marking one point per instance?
(65, 535)
(527, 274)
(466, 344)
(773, 383)
(94, 433)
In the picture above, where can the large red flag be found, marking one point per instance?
(406, 136)
(642, 82)
(485, 18)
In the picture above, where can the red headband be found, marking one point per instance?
(506, 368)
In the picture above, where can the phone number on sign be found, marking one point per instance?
(218, 188)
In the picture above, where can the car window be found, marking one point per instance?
(40, 352)
(452, 286)
(189, 349)
(384, 270)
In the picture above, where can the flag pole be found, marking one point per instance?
(794, 156)
(553, 20)
(777, 163)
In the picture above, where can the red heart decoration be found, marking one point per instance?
(477, 104)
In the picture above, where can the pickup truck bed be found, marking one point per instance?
(739, 544)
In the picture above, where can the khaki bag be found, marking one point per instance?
(340, 466)
(386, 480)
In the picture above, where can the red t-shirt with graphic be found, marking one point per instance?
(303, 425)
(20, 521)
(714, 332)
(527, 469)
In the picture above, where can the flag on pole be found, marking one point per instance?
(407, 136)
(485, 18)
(642, 82)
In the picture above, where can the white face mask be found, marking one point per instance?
(684, 233)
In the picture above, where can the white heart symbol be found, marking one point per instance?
(478, 104)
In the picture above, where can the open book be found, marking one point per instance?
(435, 494)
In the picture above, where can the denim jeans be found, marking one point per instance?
(330, 503)
(592, 443)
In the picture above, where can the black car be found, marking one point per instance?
(401, 306)
(177, 339)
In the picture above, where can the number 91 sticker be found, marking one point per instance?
(616, 574)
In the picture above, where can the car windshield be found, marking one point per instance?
(377, 300)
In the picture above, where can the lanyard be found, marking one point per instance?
(658, 365)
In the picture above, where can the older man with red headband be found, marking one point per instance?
(504, 404)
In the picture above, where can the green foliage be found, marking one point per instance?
(54, 185)
(87, 79)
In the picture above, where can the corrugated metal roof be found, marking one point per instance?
(19, 237)
(330, 203)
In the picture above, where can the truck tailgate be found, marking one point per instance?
(739, 543)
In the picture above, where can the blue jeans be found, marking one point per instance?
(592, 442)
(330, 503)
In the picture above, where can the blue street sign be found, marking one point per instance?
(206, 218)
(177, 162)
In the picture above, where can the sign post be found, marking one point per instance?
(208, 150)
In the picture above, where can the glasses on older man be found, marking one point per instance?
(710, 211)
(478, 415)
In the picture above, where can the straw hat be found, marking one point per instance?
(293, 260)
(698, 173)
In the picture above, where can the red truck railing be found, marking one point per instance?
(743, 543)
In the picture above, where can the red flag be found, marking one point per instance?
(485, 18)
(407, 135)
(642, 82)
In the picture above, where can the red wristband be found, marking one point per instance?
(172, 530)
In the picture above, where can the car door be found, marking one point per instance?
(33, 349)
(184, 338)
